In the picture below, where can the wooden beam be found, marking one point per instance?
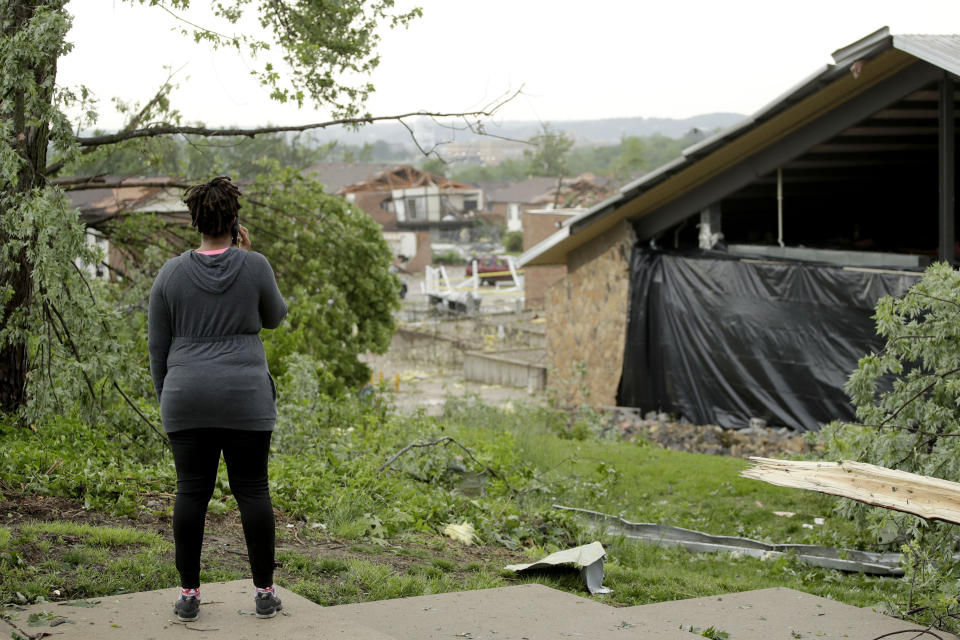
(929, 498)
(947, 155)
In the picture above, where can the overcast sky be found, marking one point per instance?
(575, 60)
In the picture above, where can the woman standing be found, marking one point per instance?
(209, 369)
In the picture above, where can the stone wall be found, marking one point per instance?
(587, 319)
(536, 280)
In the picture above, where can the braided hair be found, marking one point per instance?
(213, 205)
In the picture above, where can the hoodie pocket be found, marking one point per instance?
(273, 386)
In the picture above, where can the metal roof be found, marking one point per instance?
(939, 50)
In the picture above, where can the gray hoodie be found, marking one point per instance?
(207, 361)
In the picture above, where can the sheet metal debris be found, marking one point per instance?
(587, 558)
(882, 564)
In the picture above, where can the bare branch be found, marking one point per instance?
(918, 632)
(137, 409)
(98, 182)
(164, 89)
(927, 295)
(169, 129)
(939, 377)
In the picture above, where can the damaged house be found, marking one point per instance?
(407, 198)
(104, 199)
(738, 281)
(414, 207)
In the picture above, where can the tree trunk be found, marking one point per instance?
(31, 133)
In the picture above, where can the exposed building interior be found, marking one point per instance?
(873, 187)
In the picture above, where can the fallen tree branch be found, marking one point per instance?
(919, 632)
(139, 413)
(445, 440)
(924, 496)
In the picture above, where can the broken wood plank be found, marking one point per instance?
(924, 496)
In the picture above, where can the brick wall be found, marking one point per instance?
(369, 201)
(587, 319)
(536, 228)
(496, 212)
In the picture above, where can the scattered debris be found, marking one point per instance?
(884, 564)
(929, 498)
(587, 558)
(784, 514)
(461, 302)
(668, 433)
(463, 532)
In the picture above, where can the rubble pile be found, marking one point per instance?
(754, 440)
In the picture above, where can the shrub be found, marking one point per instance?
(513, 241)
(448, 258)
(906, 398)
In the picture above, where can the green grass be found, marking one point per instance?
(94, 535)
(358, 580)
(325, 471)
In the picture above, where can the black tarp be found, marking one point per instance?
(720, 340)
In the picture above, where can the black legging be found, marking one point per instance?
(196, 454)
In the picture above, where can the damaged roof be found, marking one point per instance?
(522, 192)
(857, 68)
(404, 177)
(337, 175)
(100, 204)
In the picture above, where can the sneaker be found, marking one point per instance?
(267, 604)
(187, 608)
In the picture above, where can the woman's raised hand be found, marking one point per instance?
(244, 240)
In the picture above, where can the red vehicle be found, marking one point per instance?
(490, 269)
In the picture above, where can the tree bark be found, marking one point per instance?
(30, 143)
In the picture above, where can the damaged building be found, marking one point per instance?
(738, 281)
(415, 208)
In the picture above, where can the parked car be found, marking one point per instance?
(490, 269)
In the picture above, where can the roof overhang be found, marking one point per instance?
(888, 66)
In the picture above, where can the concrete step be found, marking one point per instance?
(774, 614)
(524, 612)
(226, 613)
(532, 612)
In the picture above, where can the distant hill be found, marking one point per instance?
(599, 132)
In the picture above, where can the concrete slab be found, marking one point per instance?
(773, 614)
(225, 614)
(531, 612)
(525, 612)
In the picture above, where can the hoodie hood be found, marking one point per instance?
(214, 274)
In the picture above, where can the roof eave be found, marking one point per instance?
(541, 254)
(555, 252)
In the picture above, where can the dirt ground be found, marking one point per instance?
(224, 546)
